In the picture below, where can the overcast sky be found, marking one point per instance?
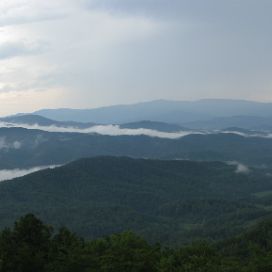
(90, 53)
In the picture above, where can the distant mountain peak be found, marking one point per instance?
(167, 111)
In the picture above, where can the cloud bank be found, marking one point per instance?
(115, 130)
(7, 174)
(111, 130)
(14, 49)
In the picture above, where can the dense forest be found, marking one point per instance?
(32, 246)
(22, 148)
(172, 202)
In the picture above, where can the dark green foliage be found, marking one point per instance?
(26, 247)
(172, 202)
(44, 148)
(33, 246)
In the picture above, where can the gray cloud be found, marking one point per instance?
(194, 10)
(203, 49)
(121, 51)
(16, 12)
(15, 49)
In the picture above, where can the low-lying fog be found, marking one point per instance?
(116, 130)
(111, 130)
(8, 174)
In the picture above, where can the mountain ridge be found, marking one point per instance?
(22, 148)
(161, 110)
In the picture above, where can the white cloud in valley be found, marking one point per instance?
(8, 174)
(116, 130)
(240, 167)
(7, 145)
(111, 130)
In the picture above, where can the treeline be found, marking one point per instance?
(32, 246)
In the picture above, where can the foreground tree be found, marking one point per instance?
(26, 247)
(32, 246)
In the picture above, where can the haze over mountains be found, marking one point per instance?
(30, 140)
(34, 119)
(245, 114)
(180, 157)
(165, 116)
(121, 118)
(24, 148)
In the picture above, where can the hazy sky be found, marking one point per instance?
(89, 53)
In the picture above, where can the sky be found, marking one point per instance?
(92, 53)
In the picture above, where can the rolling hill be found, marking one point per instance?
(38, 121)
(243, 122)
(23, 148)
(168, 201)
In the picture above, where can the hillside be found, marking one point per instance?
(159, 126)
(168, 201)
(244, 122)
(258, 123)
(23, 148)
(33, 119)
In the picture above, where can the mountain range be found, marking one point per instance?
(33, 119)
(23, 148)
(178, 112)
(170, 171)
(168, 116)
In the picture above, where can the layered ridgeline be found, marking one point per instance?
(179, 112)
(203, 114)
(32, 121)
(23, 148)
(168, 201)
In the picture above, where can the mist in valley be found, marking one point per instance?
(9, 174)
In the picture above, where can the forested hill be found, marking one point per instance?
(168, 201)
(22, 148)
